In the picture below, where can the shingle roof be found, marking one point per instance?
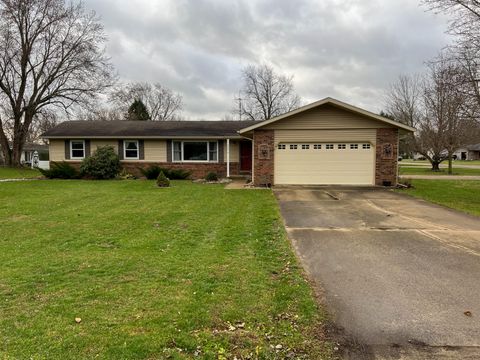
(475, 147)
(123, 128)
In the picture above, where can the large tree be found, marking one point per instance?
(160, 102)
(138, 111)
(51, 56)
(265, 93)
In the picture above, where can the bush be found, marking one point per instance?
(60, 170)
(162, 180)
(152, 172)
(125, 175)
(103, 164)
(211, 176)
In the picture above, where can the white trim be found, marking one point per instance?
(228, 158)
(331, 101)
(71, 150)
(125, 150)
(194, 161)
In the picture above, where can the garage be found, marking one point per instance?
(330, 163)
(328, 142)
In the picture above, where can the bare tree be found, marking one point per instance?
(161, 103)
(51, 55)
(436, 107)
(265, 94)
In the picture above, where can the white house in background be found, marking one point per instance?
(27, 155)
(469, 152)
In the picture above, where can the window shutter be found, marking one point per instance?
(220, 151)
(67, 149)
(169, 150)
(87, 148)
(141, 149)
(120, 149)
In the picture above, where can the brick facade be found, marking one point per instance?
(263, 152)
(198, 170)
(386, 156)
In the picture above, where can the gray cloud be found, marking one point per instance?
(350, 49)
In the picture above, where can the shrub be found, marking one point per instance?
(61, 170)
(211, 176)
(125, 175)
(162, 180)
(103, 164)
(152, 172)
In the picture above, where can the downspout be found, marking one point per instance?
(228, 158)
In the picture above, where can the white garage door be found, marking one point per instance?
(325, 163)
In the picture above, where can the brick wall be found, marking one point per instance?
(199, 170)
(386, 157)
(263, 152)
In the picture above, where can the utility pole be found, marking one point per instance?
(239, 99)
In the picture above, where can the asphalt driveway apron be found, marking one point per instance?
(401, 276)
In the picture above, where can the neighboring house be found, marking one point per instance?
(27, 155)
(326, 142)
(470, 152)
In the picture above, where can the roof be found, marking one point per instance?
(475, 147)
(147, 129)
(33, 147)
(336, 103)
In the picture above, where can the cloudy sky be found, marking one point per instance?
(347, 49)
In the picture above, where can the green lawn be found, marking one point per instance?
(455, 194)
(152, 273)
(405, 170)
(18, 173)
(456, 162)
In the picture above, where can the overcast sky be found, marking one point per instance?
(347, 49)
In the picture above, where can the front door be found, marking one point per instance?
(245, 156)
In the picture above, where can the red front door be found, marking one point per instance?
(245, 156)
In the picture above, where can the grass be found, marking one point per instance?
(152, 273)
(455, 194)
(456, 162)
(18, 173)
(405, 170)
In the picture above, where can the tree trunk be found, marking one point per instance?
(435, 165)
(450, 167)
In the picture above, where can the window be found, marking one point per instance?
(77, 149)
(342, 146)
(329, 146)
(305, 147)
(317, 147)
(282, 146)
(130, 149)
(354, 146)
(293, 147)
(366, 146)
(201, 151)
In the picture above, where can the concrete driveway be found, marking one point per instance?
(401, 276)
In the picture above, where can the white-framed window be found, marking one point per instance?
(342, 146)
(305, 147)
(293, 147)
(77, 149)
(353, 146)
(282, 146)
(329, 146)
(365, 146)
(195, 151)
(317, 147)
(130, 150)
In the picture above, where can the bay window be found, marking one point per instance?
(195, 151)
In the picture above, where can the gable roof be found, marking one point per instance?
(334, 102)
(147, 129)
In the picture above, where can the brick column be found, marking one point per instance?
(386, 157)
(263, 152)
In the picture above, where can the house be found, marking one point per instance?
(470, 152)
(326, 142)
(27, 155)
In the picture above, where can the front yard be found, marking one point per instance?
(18, 173)
(183, 272)
(455, 194)
(418, 170)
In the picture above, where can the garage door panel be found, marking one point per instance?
(333, 166)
